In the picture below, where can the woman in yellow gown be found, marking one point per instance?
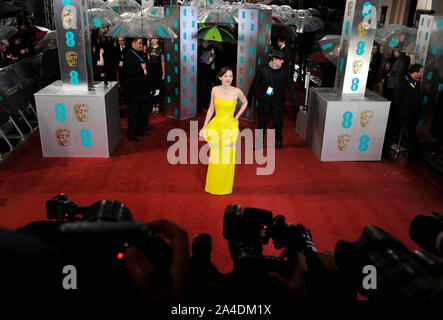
(221, 133)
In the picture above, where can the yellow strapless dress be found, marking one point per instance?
(221, 133)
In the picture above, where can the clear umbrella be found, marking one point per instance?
(330, 47)
(208, 3)
(142, 26)
(158, 12)
(216, 15)
(49, 41)
(304, 21)
(100, 4)
(397, 36)
(6, 32)
(102, 18)
(124, 6)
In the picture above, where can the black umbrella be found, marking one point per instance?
(8, 10)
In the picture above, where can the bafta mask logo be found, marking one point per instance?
(356, 66)
(350, 5)
(366, 117)
(72, 58)
(343, 141)
(69, 17)
(344, 45)
(429, 23)
(63, 137)
(419, 35)
(362, 29)
(424, 48)
(81, 112)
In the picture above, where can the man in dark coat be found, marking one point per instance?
(287, 54)
(374, 66)
(135, 71)
(269, 87)
(405, 109)
(119, 54)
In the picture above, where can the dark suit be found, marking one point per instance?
(136, 92)
(273, 104)
(118, 57)
(405, 111)
(287, 54)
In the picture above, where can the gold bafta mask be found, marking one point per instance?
(185, 91)
(350, 5)
(366, 117)
(185, 70)
(429, 23)
(184, 48)
(242, 49)
(69, 17)
(192, 58)
(63, 137)
(72, 58)
(343, 142)
(424, 48)
(184, 24)
(192, 79)
(344, 45)
(192, 100)
(81, 112)
(356, 66)
(362, 30)
(419, 35)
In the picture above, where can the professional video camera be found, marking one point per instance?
(94, 239)
(399, 273)
(247, 232)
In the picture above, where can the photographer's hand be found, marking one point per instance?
(143, 272)
(297, 283)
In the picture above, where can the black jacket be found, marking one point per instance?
(279, 80)
(136, 84)
(406, 101)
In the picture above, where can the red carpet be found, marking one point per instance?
(335, 200)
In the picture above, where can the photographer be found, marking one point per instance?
(144, 273)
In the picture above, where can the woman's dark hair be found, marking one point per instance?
(222, 72)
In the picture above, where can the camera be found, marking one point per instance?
(400, 274)
(427, 232)
(249, 230)
(95, 238)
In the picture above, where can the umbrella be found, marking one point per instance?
(215, 34)
(330, 47)
(208, 3)
(314, 12)
(397, 36)
(141, 26)
(124, 6)
(48, 42)
(216, 15)
(6, 32)
(98, 4)
(154, 11)
(99, 17)
(304, 21)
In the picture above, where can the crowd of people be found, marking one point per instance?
(386, 72)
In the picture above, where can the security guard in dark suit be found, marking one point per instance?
(135, 72)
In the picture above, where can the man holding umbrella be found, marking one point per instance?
(269, 87)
